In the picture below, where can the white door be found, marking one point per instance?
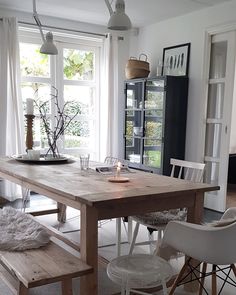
(218, 116)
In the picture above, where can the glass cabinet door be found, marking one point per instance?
(153, 123)
(134, 122)
(144, 113)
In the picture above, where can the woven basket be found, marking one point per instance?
(137, 68)
(132, 73)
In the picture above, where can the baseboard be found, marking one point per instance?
(231, 186)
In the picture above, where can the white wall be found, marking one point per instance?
(189, 28)
(53, 21)
(232, 143)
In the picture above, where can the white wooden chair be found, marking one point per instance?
(113, 161)
(192, 171)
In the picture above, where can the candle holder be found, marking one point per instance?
(118, 179)
(29, 132)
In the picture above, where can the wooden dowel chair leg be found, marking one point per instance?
(61, 216)
(22, 290)
(66, 287)
(213, 280)
(151, 241)
(135, 233)
(202, 280)
(180, 275)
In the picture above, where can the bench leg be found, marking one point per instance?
(66, 287)
(22, 290)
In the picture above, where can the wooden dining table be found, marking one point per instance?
(98, 199)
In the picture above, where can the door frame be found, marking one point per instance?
(206, 65)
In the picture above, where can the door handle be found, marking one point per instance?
(226, 129)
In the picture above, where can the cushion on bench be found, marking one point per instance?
(19, 231)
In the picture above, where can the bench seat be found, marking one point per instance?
(37, 267)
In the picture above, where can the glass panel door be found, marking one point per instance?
(219, 104)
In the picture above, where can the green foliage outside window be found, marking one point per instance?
(78, 65)
(32, 62)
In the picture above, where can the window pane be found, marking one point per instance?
(213, 135)
(218, 60)
(39, 92)
(78, 64)
(40, 137)
(212, 173)
(215, 101)
(80, 98)
(79, 134)
(32, 62)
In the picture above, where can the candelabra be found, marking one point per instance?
(29, 132)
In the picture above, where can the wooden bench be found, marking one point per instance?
(31, 268)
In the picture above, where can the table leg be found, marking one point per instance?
(195, 215)
(89, 249)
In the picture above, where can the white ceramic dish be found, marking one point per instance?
(41, 160)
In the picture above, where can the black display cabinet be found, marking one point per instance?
(155, 122)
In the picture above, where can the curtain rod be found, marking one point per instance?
(63, 29)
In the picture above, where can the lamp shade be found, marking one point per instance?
(48, 46)
(119, 20)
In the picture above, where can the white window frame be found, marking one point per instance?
(57, 77)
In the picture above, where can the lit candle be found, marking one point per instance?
(118, 169)
(29, 106)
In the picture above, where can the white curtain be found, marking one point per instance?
(109, 98)
(11, 110)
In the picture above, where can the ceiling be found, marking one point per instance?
(140, 12)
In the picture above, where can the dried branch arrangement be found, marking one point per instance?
(61, 122)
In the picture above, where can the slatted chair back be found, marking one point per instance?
(111, 160)
(188, 170)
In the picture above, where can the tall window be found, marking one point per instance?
(75, 74)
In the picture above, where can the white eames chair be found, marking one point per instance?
(209, 244)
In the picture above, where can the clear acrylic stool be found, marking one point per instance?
(139, 271)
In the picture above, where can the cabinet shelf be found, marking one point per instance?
(133, 109)
(143, 109)
(161, 112)
(143, 137)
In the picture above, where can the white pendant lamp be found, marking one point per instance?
(119, 20)
(48, 46)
